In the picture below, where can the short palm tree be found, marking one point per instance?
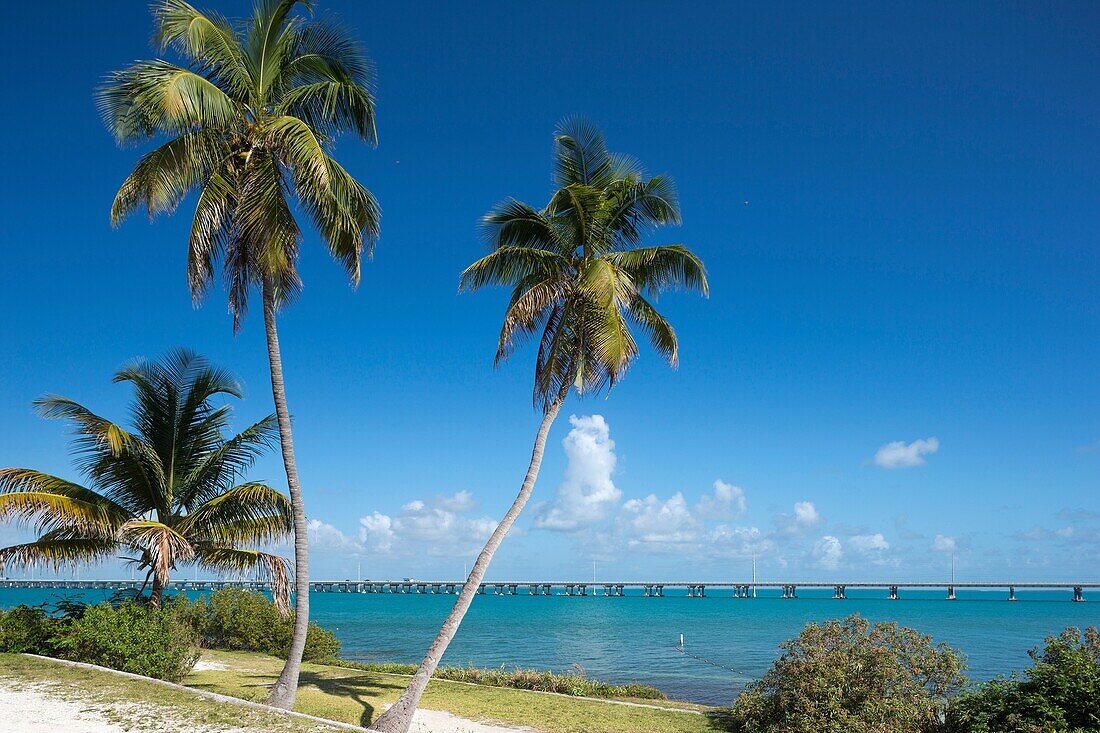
(579, 279)
(160, 494)
(250, 120)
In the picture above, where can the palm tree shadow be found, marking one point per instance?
(358, 688)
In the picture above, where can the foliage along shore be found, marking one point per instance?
(837, 676)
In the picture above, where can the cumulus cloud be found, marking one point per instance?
(435, 527)
(943, 543)
(828, 552)
(650, 521)
(805, 513)
(804, 517)
(870, 547)
(739, 542)
(587, 493)
(900, 454)
(726, 502)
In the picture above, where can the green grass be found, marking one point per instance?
(135, 705)
(356, 696)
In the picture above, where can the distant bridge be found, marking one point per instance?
(654, 589)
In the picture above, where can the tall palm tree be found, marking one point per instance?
(578, 279)
(164, 492)
(250, 120)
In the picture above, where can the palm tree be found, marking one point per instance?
(250, 121)
(578, 276)
(162, 493)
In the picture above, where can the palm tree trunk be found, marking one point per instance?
(156, 595)
(398, 718)
(286, 687)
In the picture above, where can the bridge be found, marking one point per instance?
(655, 589)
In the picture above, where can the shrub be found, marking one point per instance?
(577, 683)
(850, 677)
(154, 642)
(28, 629)
(1061, 692)
(244, 620)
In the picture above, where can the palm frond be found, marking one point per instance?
(164, 176)
(243, 503)
(151, 97)
(330, 82)
(513, 223)
(266, 566)
(49, 503)
(665, 267)
(580, 154)
(221, 467)
(206, 40)
(164, 546)
(56, 553)
(660, 331)
(212, 230)
(510, 265)
(528, 308)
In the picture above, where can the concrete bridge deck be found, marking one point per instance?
(656, 589)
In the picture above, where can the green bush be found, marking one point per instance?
(28, 629)
(154, 642)
(1061, 692)
(850, 677)
(577, 683)
(244, 620)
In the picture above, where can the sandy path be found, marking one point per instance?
(32, 709)
(42, 708)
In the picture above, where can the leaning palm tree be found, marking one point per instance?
(578, 279)
(162, 493)
(250, 120)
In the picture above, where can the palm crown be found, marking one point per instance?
(164, 492)
(577, 272)
(250, 119)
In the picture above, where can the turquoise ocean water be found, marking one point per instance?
(634, 638)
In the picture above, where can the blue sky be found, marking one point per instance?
(917, 260)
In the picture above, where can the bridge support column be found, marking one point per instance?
(950, 592)
(838, 592)
(1078, 594)
(1011, 592)
(893, 593)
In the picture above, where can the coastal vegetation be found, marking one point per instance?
(1059, 692)
(248, 122)
(161, 493)
(579, 278)
(849, 676)
(575, 683)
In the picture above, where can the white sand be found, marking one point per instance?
(31, 709)
(206, 665)
(436, 721)
(42, 708)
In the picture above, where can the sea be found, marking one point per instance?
(727, 642)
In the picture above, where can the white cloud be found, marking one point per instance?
(828, 552)
(727, 501)
(654, 522)
(739, 542)
(900, 454)
(462, 501)
(806, 513)
(587, 494)
(376, 531)
(871, 547)
(943, 543)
